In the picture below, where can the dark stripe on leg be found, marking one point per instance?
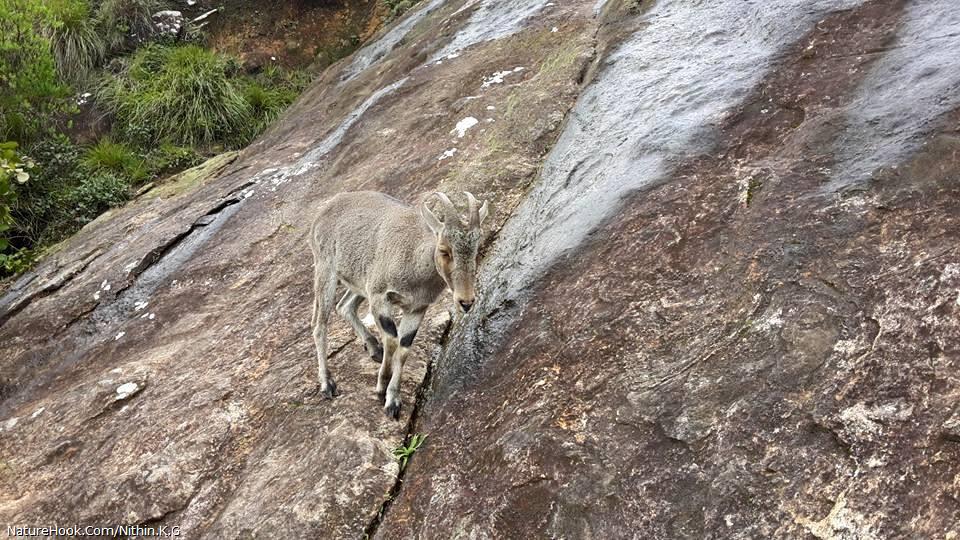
(407, 340)
(388, 325)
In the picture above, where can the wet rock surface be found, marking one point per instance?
(719, 298)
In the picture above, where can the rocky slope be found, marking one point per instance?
(291, 34)
(719, 299)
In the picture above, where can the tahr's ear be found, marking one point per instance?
(484, 210)
(430, 218)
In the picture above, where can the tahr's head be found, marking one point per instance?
(458, 237)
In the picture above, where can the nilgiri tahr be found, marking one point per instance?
(398, 257)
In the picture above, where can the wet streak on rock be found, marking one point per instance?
(657, 100)
(728, 357)
(371, 54)
(491, 20)
(913, 83)
(155, 255)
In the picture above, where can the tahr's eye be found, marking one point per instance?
(445, 253)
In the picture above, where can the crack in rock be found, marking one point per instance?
(421, 399)
(13, 303)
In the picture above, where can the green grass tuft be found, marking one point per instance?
(116, 158)
(264, 101)
(270, 93)
(183, 94)
(77, 44)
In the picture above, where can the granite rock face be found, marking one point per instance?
(719, 298)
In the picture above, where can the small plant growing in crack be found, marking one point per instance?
(748, 189)
(404, 452)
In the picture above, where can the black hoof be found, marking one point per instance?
(382, 394)
(331, 391)
(393, 410)
(374, 349)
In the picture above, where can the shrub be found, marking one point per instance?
(78, 46)
(127, 22)
(116, 158)
(269, 93)
(183, 94)
(17, 261)
(68, 187)
(31, 95)
(168, 158)
(41, 211)
(95, 195)
(396, 8)
(13, 171)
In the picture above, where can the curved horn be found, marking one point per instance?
(484, 211)
(430, 219)
(449, 210)
(474, 214)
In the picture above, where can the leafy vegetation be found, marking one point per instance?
(404, 452)
(40, 211)
(31, 93)
(12, 169)
(169, 105)
(124, 22)
(396, 8)
(169, 158)
(96, 194)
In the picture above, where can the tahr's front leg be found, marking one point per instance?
(409, 325)
(397, 340)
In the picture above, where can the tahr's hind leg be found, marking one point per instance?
(324, 289)
(347, 307)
